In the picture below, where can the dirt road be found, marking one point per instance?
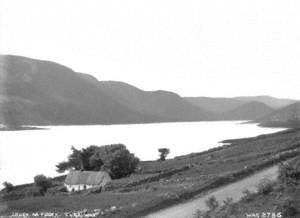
(233, 190)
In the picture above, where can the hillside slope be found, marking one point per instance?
(217, 105)
(45, 93)
(159, 103)
(35, 92)
(288, 116)
(248, 111)
(232, 108)
(272, 102)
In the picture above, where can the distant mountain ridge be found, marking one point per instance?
(255, 108)
(288, 116)
(272, 102)
(36, 92)
(249, 111)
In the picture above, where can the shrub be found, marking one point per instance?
(265, 187)
(289, 175)
(56, 190)
(247, 195)
(227, 201)
(42, 182)
(8, 186)
(288, 208)
(212, 203)
(33, 192)
(201, 214)
(17, 194)
(232, 209)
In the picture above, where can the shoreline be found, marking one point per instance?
(21, 128)
(175, 180)
(238, 122)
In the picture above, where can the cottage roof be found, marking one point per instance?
(87, 178)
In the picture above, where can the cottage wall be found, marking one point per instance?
(78, 187)
(82, 180)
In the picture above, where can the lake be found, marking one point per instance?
(24, 154)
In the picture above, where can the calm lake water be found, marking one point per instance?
(24, 154)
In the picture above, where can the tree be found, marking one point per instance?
(73, 161)
(96, 162)
(120, 163)
(78, 160)
(163, 153)
(115, 159)
(42, 182)
(8, 186)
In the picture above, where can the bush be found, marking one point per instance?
(288, 208)
(227, 201)
(96, 190)
(200, 214)
(17, 194)
(212, 203)
(8, 186)
(56, 190)
(247, 195)
(33, 192)
(289, 175)
(42, 182)
(265, 187)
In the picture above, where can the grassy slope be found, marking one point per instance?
(267, 203)
(201, 171)
(263, 203)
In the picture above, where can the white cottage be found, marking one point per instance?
(81, 180)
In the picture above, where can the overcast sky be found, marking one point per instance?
(192, 47)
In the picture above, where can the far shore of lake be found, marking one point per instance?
(20, 128)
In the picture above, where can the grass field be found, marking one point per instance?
(158, 184)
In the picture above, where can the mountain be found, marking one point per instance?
(38, 92)
(35, 92)
(232, 108)
(288, 116)
(241, 108)
(159, 103)
(217, 105)
(248, 111)
(275, 103)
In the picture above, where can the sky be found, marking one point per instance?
(192, 47)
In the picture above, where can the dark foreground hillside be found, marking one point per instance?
(158, 184)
